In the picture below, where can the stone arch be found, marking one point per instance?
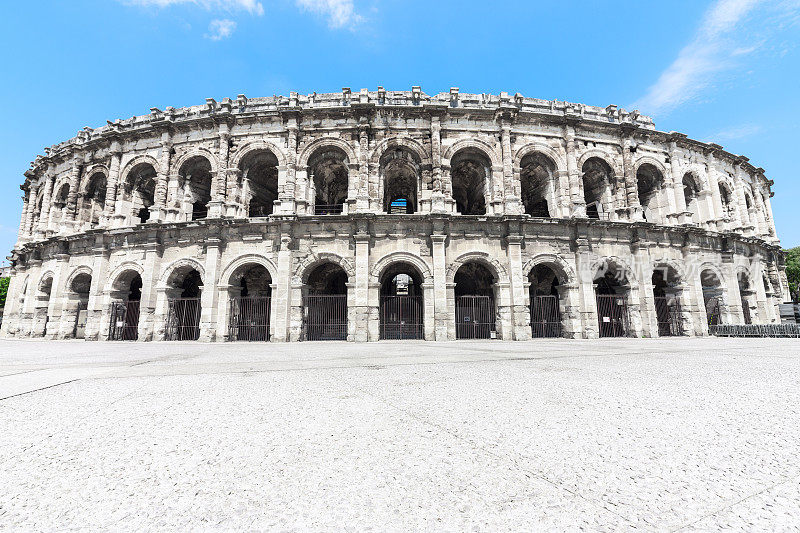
(134, 162)
(255, 146)
(24, 291)
(679, 269)
(400, 257)
(410, 144)
(82, 269)
(614, 261)
(400, 179)
(190, 154)
(307, 265)
(475, 144)
(89, 173)
(248, 259)
(168, 274)
(533, 147)
(494, 266)
(119, 271)
(563, 270)
(715, 270)
(606, 157)
(647, 159)
(43, 279)
(323, 142)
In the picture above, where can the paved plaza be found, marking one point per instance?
(657, 435)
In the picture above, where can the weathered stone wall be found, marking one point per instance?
(577, 188)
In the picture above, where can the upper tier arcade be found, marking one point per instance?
(398, 152)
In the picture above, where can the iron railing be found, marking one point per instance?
(325, 317)
(249, 318)
(328, 209)
(668, 316)
(612, 315)
(475, 317)
(183, 319)
(124, 321)
(713, 314)
(401, 317)
(545, 316)
(756, 330)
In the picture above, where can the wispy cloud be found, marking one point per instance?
(253, 7)
(740, 131)
(220, 29)
(340, 13)
(711, 52)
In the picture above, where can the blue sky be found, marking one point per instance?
(726, 71)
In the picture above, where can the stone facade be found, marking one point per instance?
(502, 198)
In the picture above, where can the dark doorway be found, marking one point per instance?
(325, 304)
(401, 304)
(475, 302)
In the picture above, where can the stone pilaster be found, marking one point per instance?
(520, 311)
(574, 178)
(208, 298)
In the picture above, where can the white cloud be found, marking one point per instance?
(220, 29)
(254, 7)
(737, 132)
(340, 13)
(710, 53)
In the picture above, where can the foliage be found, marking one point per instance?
(793, 271)
(3, 291)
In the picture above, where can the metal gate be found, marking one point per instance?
(612, 315)
(545, 316)
(668, 316)
(475, 317)
(713, 314)
(249, 319)
(401, 317)
(325, 317)
(183, 319)
(124, 321)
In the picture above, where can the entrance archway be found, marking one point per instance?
(401, 303)
(325, 303)
(612, 288)
(125, 311)
(250, 303)
(545, 304)
(183, 313)
(475, 302)
(666, 293)
(712, 296)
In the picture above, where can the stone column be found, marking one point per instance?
(71, 209)
(676, 207)
(44, 215)
(521, 317)
(287, 194)
(97, 321)
(208, 298)
(29, 215)
(429, 310)
(574, 177)
(362, 203)
(113, 183)
(216, 207)
(281, 296)
(152, 271)
(27, 206)
(440, 293)
(512, 203)
(360, 293)
(438, 197)
(57, 296)
(158, 211)
(631, 190)
(586, 301)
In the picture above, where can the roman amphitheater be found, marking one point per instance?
(390, 215)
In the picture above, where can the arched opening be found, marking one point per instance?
(747, 294)
(475, 302)
(194, 182)
(749, 206)
(401, 303)
(79, 302)
(38, 214)
(470, 170)
(666, 293)
(401, 177)
(712, 296)
(325, 303)
(41, 314)
(725, 199)
(183, 313)
(329, 175)
(259, 175)
(545, 302)
(537, 176)
(612, 288)
(139, 191)
(60, 204)
(250, 303)
(94, 199)
(691, 191)
(649, 182)
(127, 295)
(597, 180)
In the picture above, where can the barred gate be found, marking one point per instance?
(325, 317)
(545, 316)
(124, 321)
(713, 314)
(183, 319)
(249, 318)
(612, 315)
(401, 317)
(475, 317)
(668, 317)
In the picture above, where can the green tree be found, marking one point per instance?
(793, 271)
(3, 291)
